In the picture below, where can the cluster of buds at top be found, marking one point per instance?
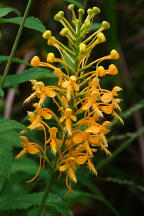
(83, 105)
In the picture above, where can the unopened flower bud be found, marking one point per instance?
(101, 37)
(96, 10)
(47, 34)
(82, 47)
(64, 31)
(81, 11)
(90, 11)
(51, 41)
(101, 71)
(71, 7)
(61, 13)
(112, 70)
(59, 16)
(35, 61)
(114, 54)
(50, 57)
(105, 25)
(73, 78)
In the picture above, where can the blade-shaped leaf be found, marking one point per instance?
(16, 60)
(5, 159)
(8, 125)
(24, 201)
(30, 74)
(30, 22)
(7, 10)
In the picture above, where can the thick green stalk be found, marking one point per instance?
(15, 43)
(47, 191)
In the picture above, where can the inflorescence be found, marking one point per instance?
(83, 105)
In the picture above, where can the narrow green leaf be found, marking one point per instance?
(16, 60)
(24, 201)
(8, 125)
(31, 23)
(76, 3)
(30, 74)
(1, 93)
(6, 11)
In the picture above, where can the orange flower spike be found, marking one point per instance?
(68, 117)
(70, 86)
(107, 97)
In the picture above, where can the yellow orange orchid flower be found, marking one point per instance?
(42, 91)
(70, 86)
(53, 140)
(68, 118)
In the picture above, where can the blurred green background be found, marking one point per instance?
(118, 189)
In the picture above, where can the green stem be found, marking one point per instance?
(47, 191)
(15, 43)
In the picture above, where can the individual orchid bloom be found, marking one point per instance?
(53, 140)
(71, 160)
(36, 118)
(70, 86)
(68, 118)
(28, 147)
(42, 91)
(101, 130)
(82, 137)
(31, 148)
(91, 102)
(110, 108)
(107, 97)
(37, 122)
